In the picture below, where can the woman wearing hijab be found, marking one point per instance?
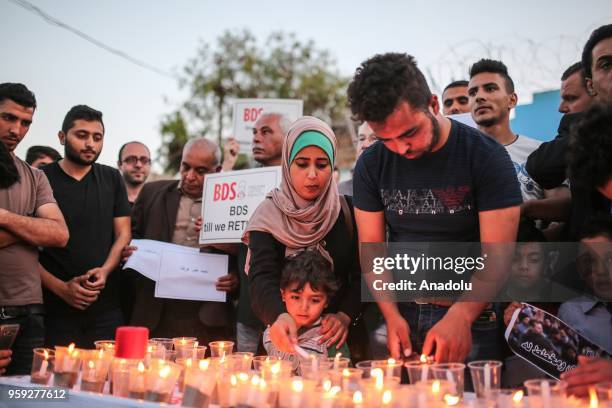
(304, 213)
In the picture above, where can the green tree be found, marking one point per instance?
(240, 67)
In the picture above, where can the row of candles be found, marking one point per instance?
(241, 380)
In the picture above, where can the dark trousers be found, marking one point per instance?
(486, 335)
(31, 335)
(82, 329)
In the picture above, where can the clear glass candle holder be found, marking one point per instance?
(43, 362)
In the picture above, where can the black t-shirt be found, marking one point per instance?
(89, 206)
(437, 197)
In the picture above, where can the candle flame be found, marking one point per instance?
(379, 376)
(255, 381)
(593, 401)
(141, 367)
(335, 390)
(183, 341)
(90, 364)
(233, 380)
(518, 396)
(275, 369)
(387, 396)
(391, 361)
(204, 364)
(243, 377)
(262, 384)
(164, 372)
(451, 399)
(357, 397)
(70, 348)
(327, 384)
(189, 362)
(423, 358)
(46, 353)
(297, 385)
(435, 386)
(346, 372)
(101, 353)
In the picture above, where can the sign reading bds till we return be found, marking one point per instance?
(230, 198)
(248, 111)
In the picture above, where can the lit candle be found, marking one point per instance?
(315, 363)
(545, 393)
(593, 401)
(337, 361)
(378, 376)
(231, 395)
(45, 363)
(252, 394)
(390, 366)
(435, 388)
(451, 400)
(424, 368)
(387, 397)
(67, 363)
(345, 379)
(517, 398)
(163, 374)
(297, 386)
(487, 377)
(140, 381)
(357, 399)
(91, 373)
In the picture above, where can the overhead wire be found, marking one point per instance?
(58, 23)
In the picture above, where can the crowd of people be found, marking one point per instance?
(66, 222)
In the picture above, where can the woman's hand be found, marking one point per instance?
(334, 329)
(283, 333)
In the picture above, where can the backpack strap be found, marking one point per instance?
(348, 219)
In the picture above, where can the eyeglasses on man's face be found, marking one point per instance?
(133, 159)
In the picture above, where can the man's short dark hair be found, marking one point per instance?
(309, 267)
(36, 152)
(596, 37)
(17, 93)
(382, 82)
(81, 112)
(597, 226)
(495, 67)
(125, 144)
(590, 146)
(572, 69)
(9, 174)
(456, 84)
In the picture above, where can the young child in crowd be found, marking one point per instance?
(307, 285)
(591, 315)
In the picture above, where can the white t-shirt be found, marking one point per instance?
(519, 150)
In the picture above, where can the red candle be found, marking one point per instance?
(131, 342)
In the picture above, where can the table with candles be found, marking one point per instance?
(133, 370)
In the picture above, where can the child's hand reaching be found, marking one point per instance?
(283, 333)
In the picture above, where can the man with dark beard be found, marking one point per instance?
(81, 293)
(429, 179)
(29, 218)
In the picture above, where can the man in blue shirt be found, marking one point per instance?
(427, 179)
